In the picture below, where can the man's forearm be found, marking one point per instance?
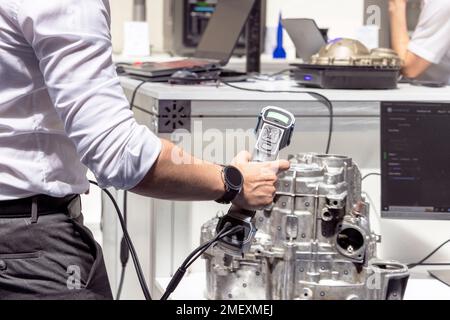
(399, 28)
(177, 175)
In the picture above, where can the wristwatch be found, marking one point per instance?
(234, 181)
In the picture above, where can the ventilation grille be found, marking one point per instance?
(174, 115)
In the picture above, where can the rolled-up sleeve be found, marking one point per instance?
(431, 39)
(72, 42)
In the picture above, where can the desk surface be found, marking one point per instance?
(211, 92)
(421, 286)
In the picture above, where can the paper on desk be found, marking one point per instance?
(136, 39)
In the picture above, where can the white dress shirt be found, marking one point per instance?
(431, 39)
(62, 109)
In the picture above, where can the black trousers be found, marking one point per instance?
(55, 258)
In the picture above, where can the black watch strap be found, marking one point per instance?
(233, 181)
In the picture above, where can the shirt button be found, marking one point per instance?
(2, 265)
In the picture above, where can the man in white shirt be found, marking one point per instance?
(62, 110)
(427, 54)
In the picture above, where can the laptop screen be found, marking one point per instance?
(306, 35)
(224, 29)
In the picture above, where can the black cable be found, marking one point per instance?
(370, 174)
(133, 96)
(421, 262)
(280, 72)
(320, 97)
(258, 76)
(124, 251)
(121, 281)
(130, 245)
(176, 279)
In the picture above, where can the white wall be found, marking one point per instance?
(342, 17)
(122, 11)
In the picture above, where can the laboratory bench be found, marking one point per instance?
(165, 232)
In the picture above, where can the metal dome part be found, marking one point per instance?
(349, 52)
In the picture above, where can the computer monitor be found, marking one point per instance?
(415, 160)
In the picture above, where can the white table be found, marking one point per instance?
(172, 230)
(211, 92)
(421, 286)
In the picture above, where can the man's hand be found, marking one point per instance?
(260, 179)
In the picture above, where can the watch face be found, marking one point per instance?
(233, 177)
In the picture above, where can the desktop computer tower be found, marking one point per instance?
(186, 20)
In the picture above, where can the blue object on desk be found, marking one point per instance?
(279, 52)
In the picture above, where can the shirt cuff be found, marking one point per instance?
(143, 157)
(423, 53)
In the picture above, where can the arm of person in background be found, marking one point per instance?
(413, 65)
(72, 43)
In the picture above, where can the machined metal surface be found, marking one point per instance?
(315, 242)
(348, 52)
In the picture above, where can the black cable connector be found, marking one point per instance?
(124, 251)
(175, 281)
(129, 243)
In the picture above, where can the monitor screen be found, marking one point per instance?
(224, 29)
(415, 160)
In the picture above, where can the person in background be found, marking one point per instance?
(426, 54)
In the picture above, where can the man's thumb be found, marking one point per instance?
(280, 165)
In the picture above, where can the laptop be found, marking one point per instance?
(215, 48)
(441, 275)
(306, 36)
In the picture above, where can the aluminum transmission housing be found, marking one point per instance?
(315, 242)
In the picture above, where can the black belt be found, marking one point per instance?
(43, 205)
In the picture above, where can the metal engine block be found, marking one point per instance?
(315, 242)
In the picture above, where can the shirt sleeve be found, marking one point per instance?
(72, 42)
(431, 39)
